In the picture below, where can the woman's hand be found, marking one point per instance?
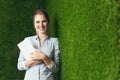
(31, 62)
(37, 55)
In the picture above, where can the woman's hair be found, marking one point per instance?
(41, 12)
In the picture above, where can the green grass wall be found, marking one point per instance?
(15, 24)
(87, 30)
(118, 19)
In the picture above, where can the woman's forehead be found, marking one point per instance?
(39, 17)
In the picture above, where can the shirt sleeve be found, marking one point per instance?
(54, 65)
(21, 63)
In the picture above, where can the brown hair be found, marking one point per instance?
(43, 12)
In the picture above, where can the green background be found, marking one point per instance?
(88, 31)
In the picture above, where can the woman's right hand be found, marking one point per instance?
(30, 62)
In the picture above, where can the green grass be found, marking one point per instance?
(118, 20)
(87, 31)
(15, 24)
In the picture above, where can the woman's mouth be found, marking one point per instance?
(40, 28)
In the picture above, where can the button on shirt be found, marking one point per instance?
(40, 71)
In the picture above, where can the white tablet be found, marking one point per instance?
(26, 47)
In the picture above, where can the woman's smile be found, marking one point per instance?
(41, 24)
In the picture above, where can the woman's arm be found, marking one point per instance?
(24, 64)
(21, 63)
(51, 64)
(54, 65)
(30, 62)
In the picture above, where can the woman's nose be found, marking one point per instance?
(40, 24)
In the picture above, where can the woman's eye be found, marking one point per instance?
(45, 21)
(37, 21)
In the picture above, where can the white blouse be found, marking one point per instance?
(40, 71)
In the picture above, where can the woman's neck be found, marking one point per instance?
(42, 37)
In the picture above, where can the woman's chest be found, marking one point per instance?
(47, 48)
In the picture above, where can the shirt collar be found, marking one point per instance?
(45, 38)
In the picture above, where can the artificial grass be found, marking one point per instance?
(15, 24)
(87, 31)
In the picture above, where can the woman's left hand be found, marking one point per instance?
(37, 55)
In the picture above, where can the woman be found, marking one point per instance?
(43, 61)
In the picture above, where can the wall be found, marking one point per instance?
(87, 30)
(15, 24)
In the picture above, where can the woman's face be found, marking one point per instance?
(40, 24)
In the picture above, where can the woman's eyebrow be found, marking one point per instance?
(37, 21)
(44, 20)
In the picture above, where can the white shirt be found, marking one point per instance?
(40, 71)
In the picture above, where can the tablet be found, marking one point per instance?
(26, 47)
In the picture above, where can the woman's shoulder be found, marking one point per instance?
(54, 39)
(31, 37)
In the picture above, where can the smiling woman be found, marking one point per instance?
(41, 21)
(41, 24)
(43, 61)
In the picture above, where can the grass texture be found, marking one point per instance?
(15, 24)
(87, 31)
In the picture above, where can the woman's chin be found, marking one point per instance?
(42, 32)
